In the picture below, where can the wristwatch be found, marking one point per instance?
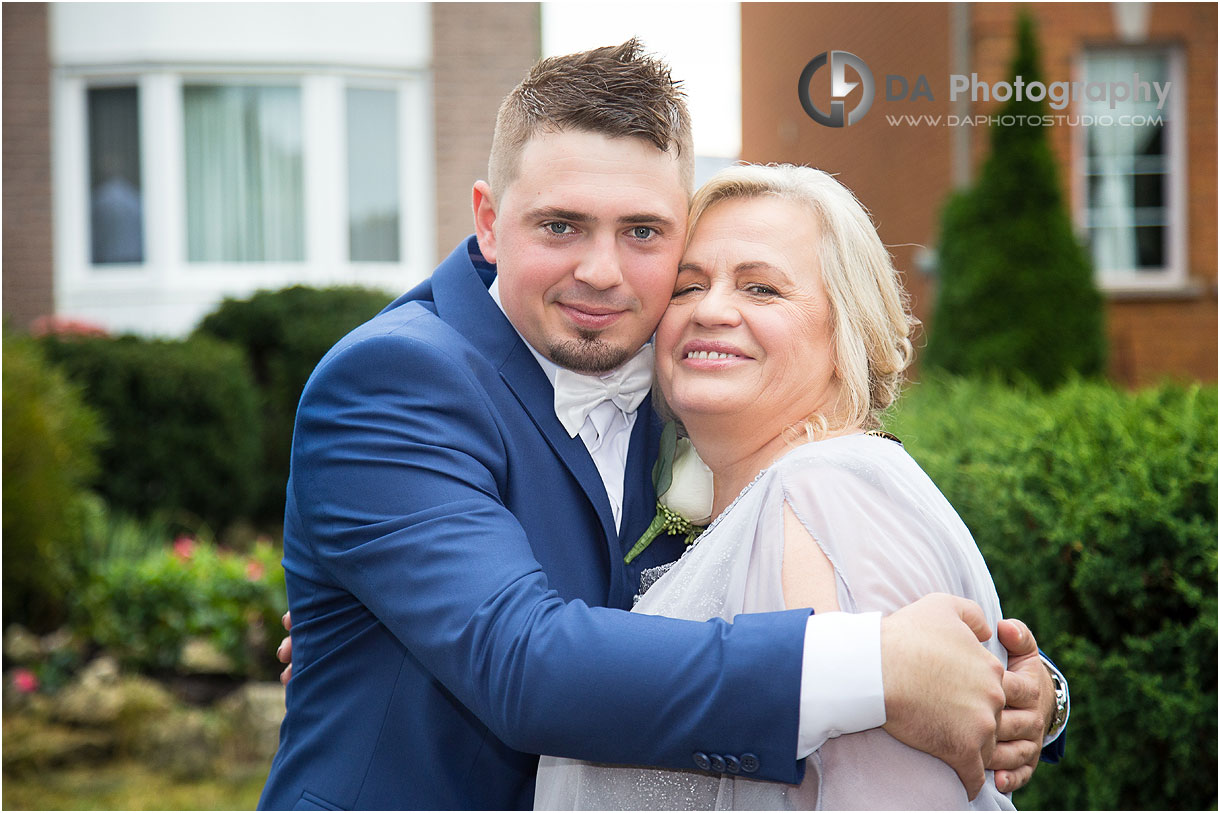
(1061, 702)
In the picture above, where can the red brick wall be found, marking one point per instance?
(27, 276)
(480, 51)
(904, 173)
(900, 174)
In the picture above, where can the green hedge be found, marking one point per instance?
(183, 423)
(50, 456)
(144, 610)
(285, 333)
(1096, 512)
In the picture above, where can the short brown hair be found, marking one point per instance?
(616, 91)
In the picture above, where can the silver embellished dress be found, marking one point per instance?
(892, 538)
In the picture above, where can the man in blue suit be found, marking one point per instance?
(469, 469)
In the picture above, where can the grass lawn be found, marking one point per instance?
(128, 785)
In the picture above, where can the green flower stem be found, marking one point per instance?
(654, 530)
(666, 521)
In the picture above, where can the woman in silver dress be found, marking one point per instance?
(787, 335)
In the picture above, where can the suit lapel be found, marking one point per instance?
(639, 499)
(459, 287)
(530, 385)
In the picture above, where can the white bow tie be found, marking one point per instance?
(577, 394)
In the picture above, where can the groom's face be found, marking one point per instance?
(586, 241)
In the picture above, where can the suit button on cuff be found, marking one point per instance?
(718, 763)
(749, 763)
(702, 762)
(733, 764)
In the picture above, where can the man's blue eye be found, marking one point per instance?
(558, 228)
(642, 232)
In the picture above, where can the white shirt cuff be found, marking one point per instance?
(841, 689)
(1055, 732)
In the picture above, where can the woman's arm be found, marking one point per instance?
(808, 576)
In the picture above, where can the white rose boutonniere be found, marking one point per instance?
(683, 485)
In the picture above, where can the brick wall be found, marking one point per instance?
(900, 174)
(904, 173)
(480, 52)
(27, 277)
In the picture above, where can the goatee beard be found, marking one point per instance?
(588, 354)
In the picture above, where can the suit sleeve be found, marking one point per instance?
(397, 475)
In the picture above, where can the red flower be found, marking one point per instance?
(184, 546)
(65, 326)
(25, 681)
(254, 570)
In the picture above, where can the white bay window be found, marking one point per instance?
(185, 172)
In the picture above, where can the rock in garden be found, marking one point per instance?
(200, 657)
(253, 715)
(182, 744)
(101, 697)
(31, 745)
(94, 698)
(20, 645)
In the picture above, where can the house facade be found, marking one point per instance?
(1133, 128)
(159, 157)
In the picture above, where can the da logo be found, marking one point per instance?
(839, 62)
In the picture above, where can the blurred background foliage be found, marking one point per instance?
(284, 335)
(183, 422)
(51, 440)
(143, 489)
(1095, 509)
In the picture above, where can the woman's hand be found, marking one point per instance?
(1029, 705)
(284, 653)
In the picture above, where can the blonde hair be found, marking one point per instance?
(871, 320)
(615, 91)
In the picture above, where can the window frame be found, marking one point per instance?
(1173, 277)
(166, 294)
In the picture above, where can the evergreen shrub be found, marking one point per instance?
(285, 333)
(1096, 512)
(183, 422)
(51, 440)
(1016, 294)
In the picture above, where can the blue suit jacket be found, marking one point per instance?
(450, 555)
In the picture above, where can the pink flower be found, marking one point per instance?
(254, 570)
(65, 326)
(25, 681)
(184, 546)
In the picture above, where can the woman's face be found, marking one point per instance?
(748, 330)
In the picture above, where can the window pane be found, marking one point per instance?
(1150, 246)
(1149, 190)
(1127, 164)
(244, 177)
(116, 217)
(372, 174)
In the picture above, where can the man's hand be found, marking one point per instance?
(943, 691)
(1029, 706)
(284, 653)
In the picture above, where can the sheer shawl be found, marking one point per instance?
(892, 538)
